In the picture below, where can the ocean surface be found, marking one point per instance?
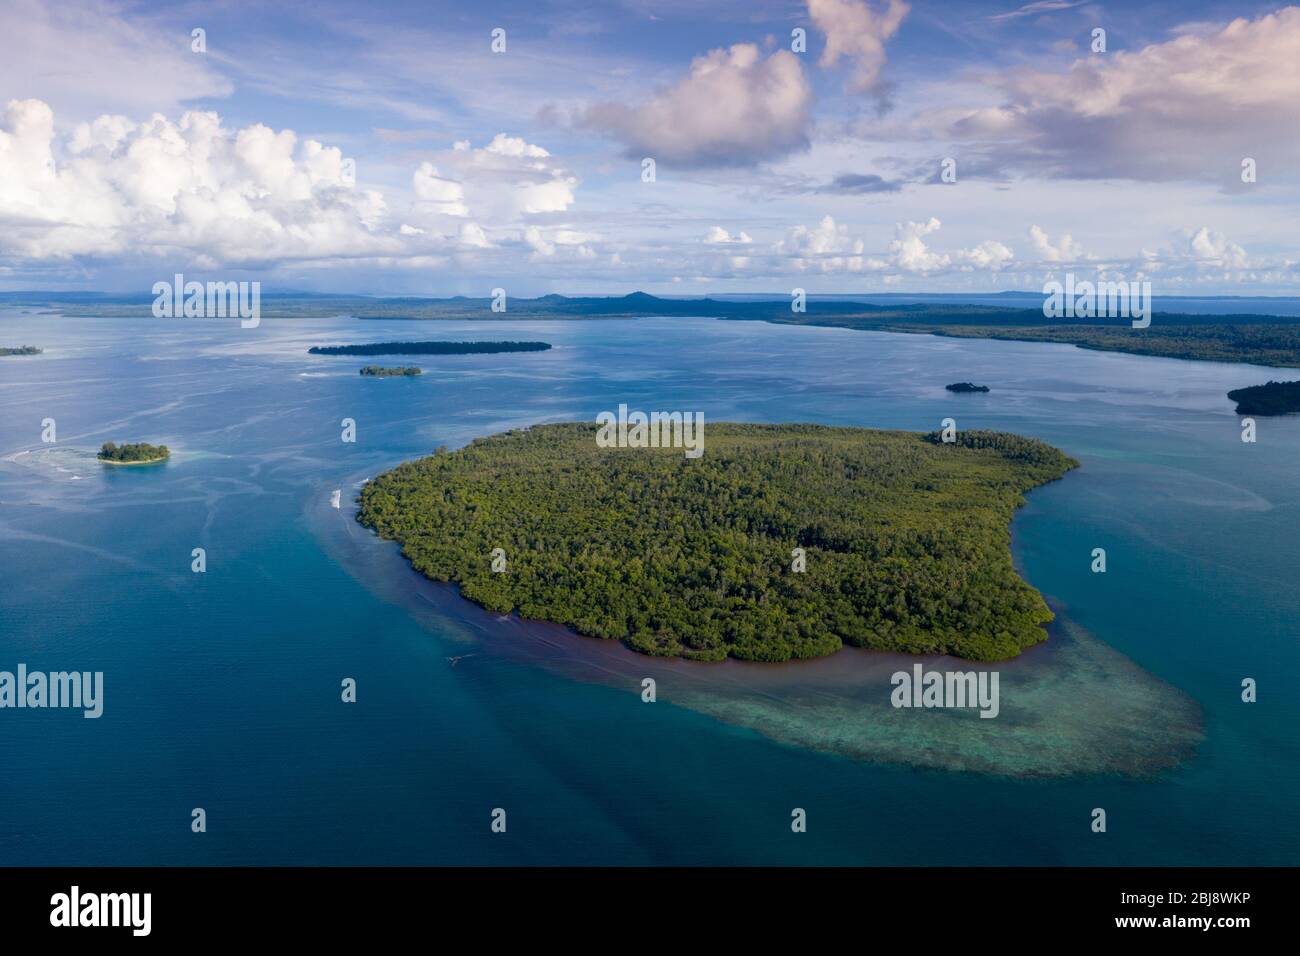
(222, 689)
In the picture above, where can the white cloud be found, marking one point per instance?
(196, 192)
(856, 31)
(1207, 247)
(1191, 107)
(509, 178)
(445, 196)
(717, 236)
(909, 252)
(473, 236)
(989, 254)
(548, 242)
(512, 146)
(1066, 250)
(194, 187)
(825, 238)
(732, 108)
(829, 247)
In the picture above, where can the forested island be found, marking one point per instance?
(139, 453)
(1273, 398)
(966, 387)
(21, 350)
(904, 538)
(429, 348)
(380, 371)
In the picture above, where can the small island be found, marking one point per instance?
(966, 387)
(1273, 398)
(781, 542)
(21, 350)
(139, 453)
(429, 348)
(380, 371)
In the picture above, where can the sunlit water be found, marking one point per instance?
(223, 688)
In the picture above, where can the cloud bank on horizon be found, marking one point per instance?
(837, 145)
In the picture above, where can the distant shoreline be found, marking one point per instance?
(1265, 339)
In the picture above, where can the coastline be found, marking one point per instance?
(1071, 705)
(148, 461)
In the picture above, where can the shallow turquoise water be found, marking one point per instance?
(222, 688)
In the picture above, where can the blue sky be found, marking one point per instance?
(386, 148)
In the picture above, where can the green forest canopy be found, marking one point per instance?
(906, 538)
(1273, 398)
(140, 451)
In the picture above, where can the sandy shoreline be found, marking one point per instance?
(150, 461)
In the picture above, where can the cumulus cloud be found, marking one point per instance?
(552, 242)
(1066, 249)
(732, 108)
(828, 246)
(444, 196)
(909, 252)
(1211, 248)
(857, 32)
(114, 186)
(195, 192)
(717, 236)
(1192, 107)
(508, 178)
(989, 254)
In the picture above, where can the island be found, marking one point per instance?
(966, 387)
(21, 350)
(139, 453)
(380, 371)
(1273, 398)
(780, 542)
(429, 348)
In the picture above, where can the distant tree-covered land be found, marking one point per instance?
(429, 348)
(137, 453)
(21, 350)
(380, 371)
(1258, 338)
(905, 538)
(966, 387)
(1274, 398)
(1257, 343)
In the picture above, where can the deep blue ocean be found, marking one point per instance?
(222, 689)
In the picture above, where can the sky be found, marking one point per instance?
(672, 146)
